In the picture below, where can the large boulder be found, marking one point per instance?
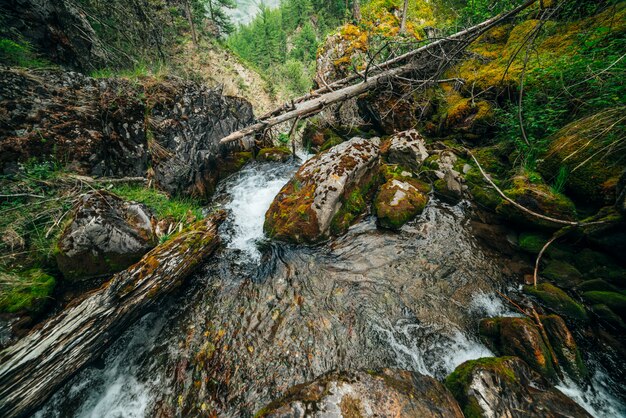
(169, 128)
(188, 124)
(512, 336)
(73, 120)
(326, 194)
(506, 387)
(358, 394)
(538, 197)
(565, 347)
(585, 156)
(106, 235)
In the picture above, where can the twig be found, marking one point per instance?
(517, 205)
(543, 249)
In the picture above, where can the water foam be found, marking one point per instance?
(252, 191)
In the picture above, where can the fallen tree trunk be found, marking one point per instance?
(37, 365)
(466, 35)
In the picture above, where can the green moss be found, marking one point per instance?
(25, 291)
(277, 154)
(558, 301)
(460, 379)
(351, 208)
(180, 208)
(596, 285)
(395, 215)
(532, 243)
(562, 274)
(538, 197)
(615, 301)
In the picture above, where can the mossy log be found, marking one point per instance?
(33, 368)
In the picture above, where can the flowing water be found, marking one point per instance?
(262, 316)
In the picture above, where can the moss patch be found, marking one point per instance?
(558, 301)
(399, 201)
(615, 301)
(274, 154)
(460, 379)
(25, 291)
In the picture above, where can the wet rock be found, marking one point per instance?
(274, 154)
(558, 301)
(358, 394)
(565, 347)
(400, 200)
(608, 317)
(537, 197)
(406, 149)
(518, 337)
(106, 235)
(328, 192)
(57, 29)
(562, 274)
(506, 387)
(449, 183)
(116, 135)
(614, 300)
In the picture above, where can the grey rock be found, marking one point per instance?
(407, 149)
(57, 29)
(106, 235)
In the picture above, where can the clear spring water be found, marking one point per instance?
(262, 316)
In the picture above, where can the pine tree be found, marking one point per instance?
(215, 11)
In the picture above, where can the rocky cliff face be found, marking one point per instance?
(57, 29)
(115, 127)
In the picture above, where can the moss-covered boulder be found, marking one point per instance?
(326, 191)
(562, 274)
(106, 234)
(533, 194)
(276, 154)
(399, 201)
(558, 301)
(565, 347)
(512, 336)
(532, 242)
(583, 154)
(359, 394)
(506, 387)
(614, 300)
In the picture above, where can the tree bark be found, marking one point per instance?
(192, 26)
(404, 11)
(37, 365)
(356, 10)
